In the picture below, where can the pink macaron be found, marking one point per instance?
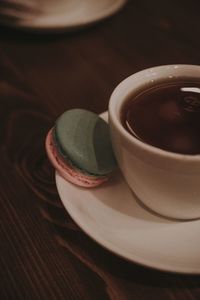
(79, 148)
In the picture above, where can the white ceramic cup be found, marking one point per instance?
(166, 182)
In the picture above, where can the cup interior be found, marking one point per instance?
(140, 82)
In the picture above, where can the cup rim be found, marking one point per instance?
(124, 88)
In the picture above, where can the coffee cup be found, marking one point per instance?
(166, 182)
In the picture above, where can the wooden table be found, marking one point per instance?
(44, 254)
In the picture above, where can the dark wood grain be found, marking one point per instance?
(44, 254)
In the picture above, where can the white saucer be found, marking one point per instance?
(81, 15)
(113, 216)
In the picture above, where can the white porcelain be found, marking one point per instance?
(166, 182)
(113, 217)
(45, 15)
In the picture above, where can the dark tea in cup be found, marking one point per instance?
(166, 116)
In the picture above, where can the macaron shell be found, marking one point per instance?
(66, 170)
(84, 137)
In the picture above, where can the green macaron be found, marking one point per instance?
(83, 139)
